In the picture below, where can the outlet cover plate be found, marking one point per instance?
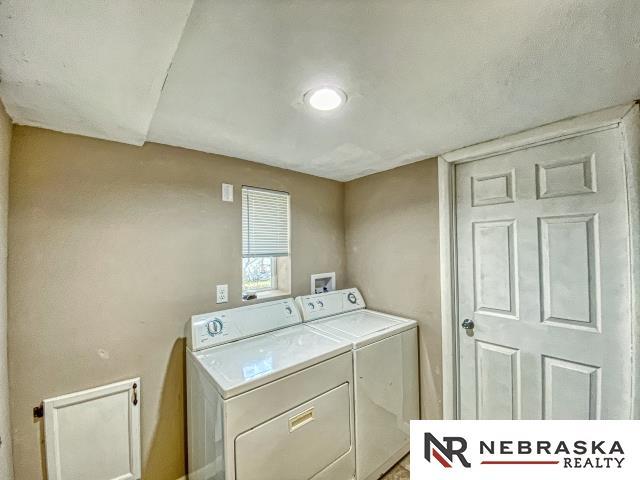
(222, 293)
(227, 192)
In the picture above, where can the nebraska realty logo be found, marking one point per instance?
(455, 446)
(528, 449)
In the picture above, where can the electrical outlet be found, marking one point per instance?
(222, 293)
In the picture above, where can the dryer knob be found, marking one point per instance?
(311, 305)
(288, 310)
(352, 298)
(214, 327)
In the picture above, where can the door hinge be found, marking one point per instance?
(38, 412)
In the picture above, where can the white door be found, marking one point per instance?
(94, 434)
(543, 275)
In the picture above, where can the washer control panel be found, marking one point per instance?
(323, 305)
(216, 328)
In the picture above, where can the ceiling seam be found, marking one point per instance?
(166, 75)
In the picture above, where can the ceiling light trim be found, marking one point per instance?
(325, 99)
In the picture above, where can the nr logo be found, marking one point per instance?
(446, 451)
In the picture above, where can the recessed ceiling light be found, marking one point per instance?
(325, 98)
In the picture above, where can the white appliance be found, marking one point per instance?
(385, 359)
(268, 398)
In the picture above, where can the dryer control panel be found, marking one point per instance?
(215, 328)
(320, 305)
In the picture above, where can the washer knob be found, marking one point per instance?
(288, 310)
(311, 305)
(352, 298)
(320, 303)
(215, 326)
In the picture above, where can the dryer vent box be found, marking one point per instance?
(323, 282)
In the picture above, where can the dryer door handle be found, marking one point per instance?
(301, 419)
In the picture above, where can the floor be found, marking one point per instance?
(399, 472)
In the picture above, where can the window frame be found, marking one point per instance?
(280, 280)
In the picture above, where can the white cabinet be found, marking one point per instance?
(94, 434)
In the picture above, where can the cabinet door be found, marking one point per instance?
(94, 434)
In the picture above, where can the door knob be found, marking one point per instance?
(468, 324)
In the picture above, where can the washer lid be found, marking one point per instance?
(246, 364)
(363, 326)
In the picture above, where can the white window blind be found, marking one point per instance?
(265, 223)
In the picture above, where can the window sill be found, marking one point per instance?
(269, 294)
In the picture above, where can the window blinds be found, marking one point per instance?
(265, 223)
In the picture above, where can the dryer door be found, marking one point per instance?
(299, 443)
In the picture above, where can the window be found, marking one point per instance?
(265, 243)
(259, 274)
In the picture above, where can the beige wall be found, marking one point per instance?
(6, 472)
(391, 221)
(112, 248)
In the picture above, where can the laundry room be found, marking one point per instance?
(255, 240)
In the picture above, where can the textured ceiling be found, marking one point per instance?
(423, 77)
(94, 68)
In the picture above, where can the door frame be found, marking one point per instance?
(624, 117)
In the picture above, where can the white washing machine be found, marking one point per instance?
(268, 398)
(385, 359)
